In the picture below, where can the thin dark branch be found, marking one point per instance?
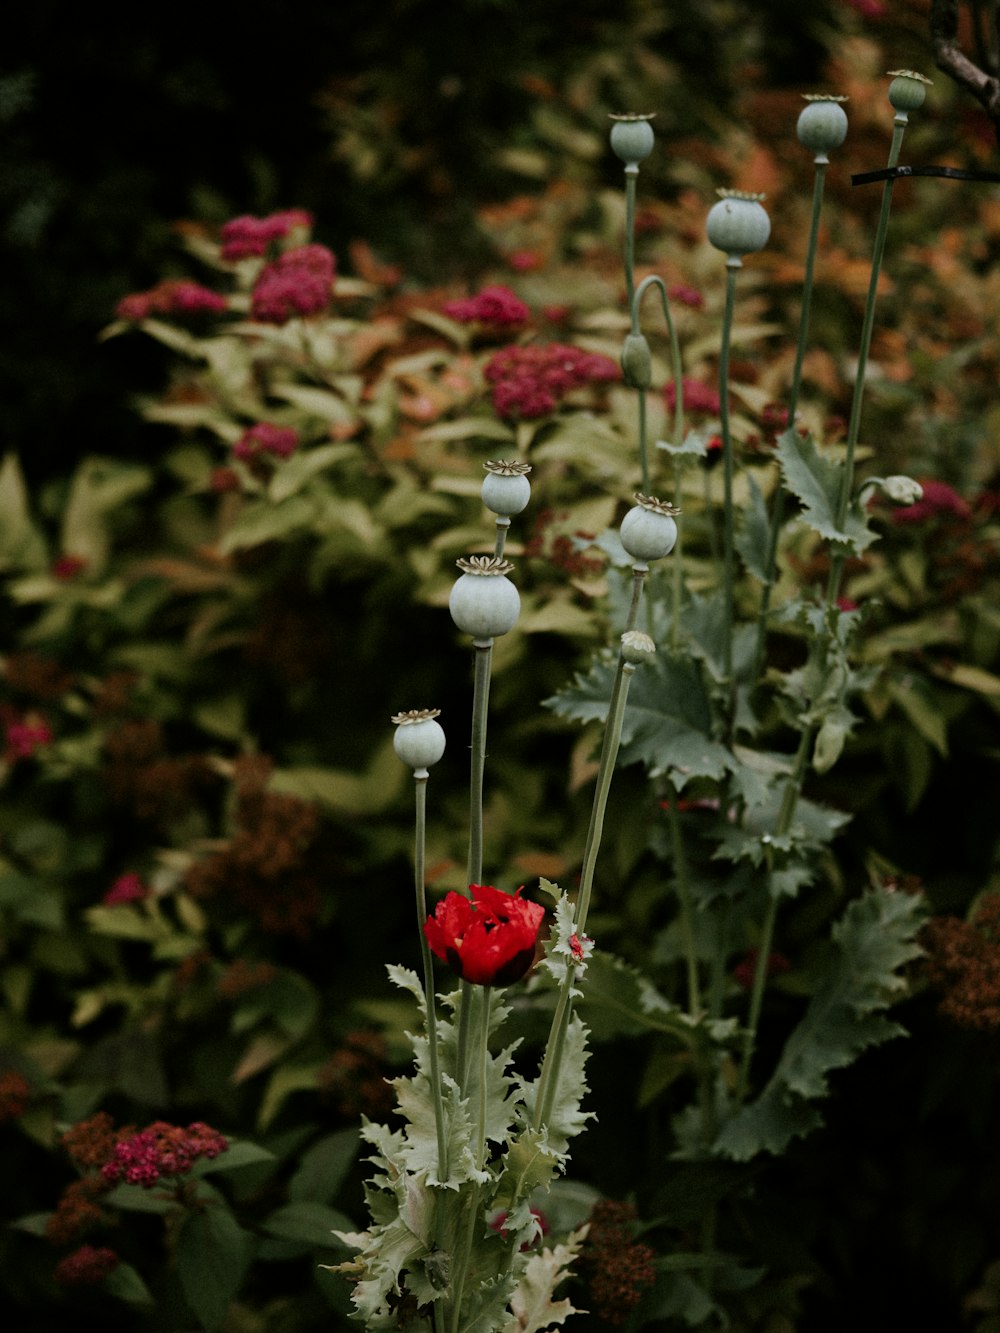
(953, 60)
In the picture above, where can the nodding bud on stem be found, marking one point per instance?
(822, 125)
(483, 601)
(506, 488)
(419, 739)
(637, 365)
(632, 138)
(648, 530)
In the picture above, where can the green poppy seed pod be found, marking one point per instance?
(908, 89)
(637, 647)
(648, 530)
(822, 125)
(637, 365)
(737, 224)
(419, 739)
(632, 138)
(483, 601)
(506, 488)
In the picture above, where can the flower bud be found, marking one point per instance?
(632, 138)
(483, 601)
(637, 647)
(822, 125)
(636, 362)
(648, 530)
(908, 89)
(738, 224)
(419, 739)
(506, 488)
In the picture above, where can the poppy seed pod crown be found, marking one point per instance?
(908, 89)
(506, 488)
(632, 138)
(822, 126)
(483, 601)
(419, 739)
(648, 530)
(737, 224)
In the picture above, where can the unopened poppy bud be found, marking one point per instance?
(908, 89)
(506, 488)
(737, 224)
(822, 125)
(483, 601)
(419, 739)
(637, 646)
(648, 530)
(637, 364)
(632, 138)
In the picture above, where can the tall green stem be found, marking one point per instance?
(419, 878)
(733, 264)
(687, 906)
(552, 1060)
(474, 869)
(778, 512)
(472, 1207)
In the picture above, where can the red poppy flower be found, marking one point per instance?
(488, 939)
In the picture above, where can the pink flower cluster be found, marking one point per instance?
(24, 736)
(685, 295)
(869, 9)
(698, 397)
(128, 888)
(246, 237)
(528, 382)
(173, 297)
(299, 282)
(86, 1266)
(939, 500)
(493, 305)
(266, 438)
(66, 567)
(161, 1150)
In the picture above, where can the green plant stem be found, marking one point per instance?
(631, 179)
(687, 906)
(867, 328)
(643, 443)
(428, 961)
(552, 1060)
(785, 816)
(778, 511)
(635, 302)
(503, 526)
(469, 1233)
(733, 264)
(474, 868)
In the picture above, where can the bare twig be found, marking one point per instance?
(985, 87)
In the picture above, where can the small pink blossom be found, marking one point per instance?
(266, 438)
(66, 567)
(247, 237)
(299, 282)
(129, 888)
(528, 382)
(869, 9)
(86, 1267)
(698, 397)
(939, 500)
(493, 305)
(160, 1150)
(23, 737)
(685, 295)
(846, 604)
(173, 297)
(525, 261)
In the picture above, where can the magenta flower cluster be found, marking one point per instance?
(248, 237)
(174, 297)
(529, 381)
(493, 305)
(698, 397)
(23, 736)
(86, 1267)
(161, 1150)
(299, 282)
(128, 888)
(266, 438)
